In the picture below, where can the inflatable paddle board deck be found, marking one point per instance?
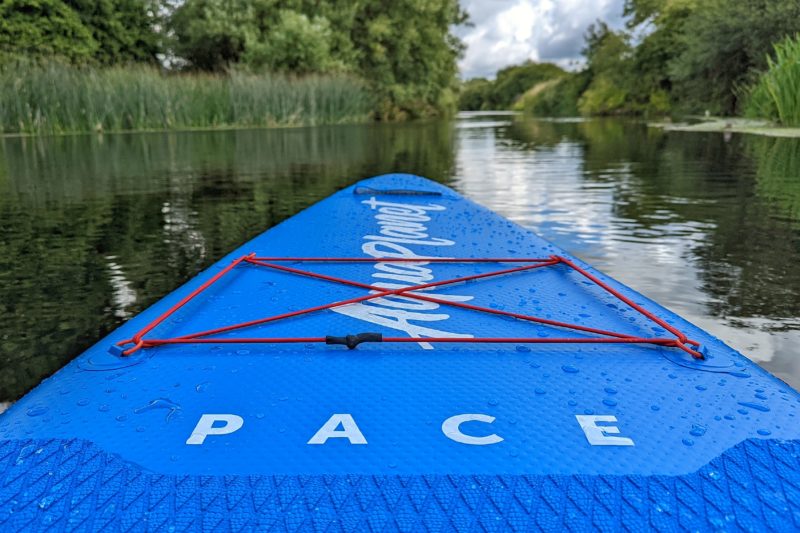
(298, 384)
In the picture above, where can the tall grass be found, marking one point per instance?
(58, 98)
(776, 94)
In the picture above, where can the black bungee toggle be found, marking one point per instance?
(351, 341)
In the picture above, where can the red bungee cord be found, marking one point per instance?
(681, 341)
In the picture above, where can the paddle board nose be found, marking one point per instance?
(398, 357)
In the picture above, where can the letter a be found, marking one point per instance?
(349, 430)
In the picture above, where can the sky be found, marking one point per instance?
(507, 32)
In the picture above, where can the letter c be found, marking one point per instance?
(452, 430)
(205, 427)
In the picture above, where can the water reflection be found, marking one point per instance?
(708, 227)
(96, 228)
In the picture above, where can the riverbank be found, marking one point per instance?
(730, 125)
(56, 99)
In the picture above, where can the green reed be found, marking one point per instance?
(57, 98)
(776, 94)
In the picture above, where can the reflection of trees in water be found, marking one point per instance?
(740, 197)
(526, 134)
(744, 193)
(90, 222)
(778, 173)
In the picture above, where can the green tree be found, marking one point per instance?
(723, 43)
(44, 28)
(211, 34)
(404, 48)
(297, 43)
(123, 29)
(609, 63)
(474, 94)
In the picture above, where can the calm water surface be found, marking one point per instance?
(95, 228)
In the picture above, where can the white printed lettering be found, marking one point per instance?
(452, 430)
(597, 435)
(330, 430)
(205, 427)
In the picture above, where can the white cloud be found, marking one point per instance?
(507, 32)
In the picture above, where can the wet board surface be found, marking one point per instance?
(409, 436)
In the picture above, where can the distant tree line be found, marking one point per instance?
(673, 56)
(403, 49)
(509, 84)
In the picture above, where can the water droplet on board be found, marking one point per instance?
(201, 387)
(104, 408)
(764, 432)
(610, 390)
(45, 502)
(697, 430)
(523, 349)
(610, 402)
(655, 408)
(82, 402)
(492, 402)
(569, 369)
(701, 387)
(688, 442)
(37, 410)
(714, 475)
(539, 390)
(160, 403)
(756, 406)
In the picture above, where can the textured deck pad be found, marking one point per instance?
(403, 436)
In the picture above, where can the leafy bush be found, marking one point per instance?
(603, 97)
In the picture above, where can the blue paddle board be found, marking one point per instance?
(441, 409)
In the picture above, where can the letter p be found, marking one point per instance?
(206, 426)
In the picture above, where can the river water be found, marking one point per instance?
(95, 228)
